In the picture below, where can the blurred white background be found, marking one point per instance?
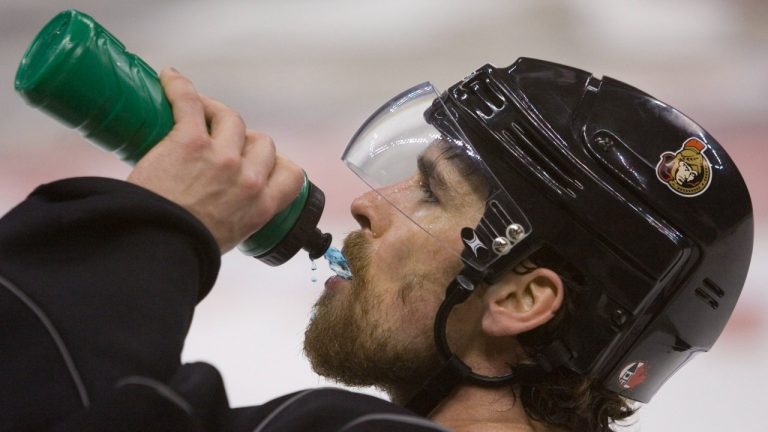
(309, 72)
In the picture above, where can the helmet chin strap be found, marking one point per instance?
(453, 371)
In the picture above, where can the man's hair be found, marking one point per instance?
(566, 399)
(563, 397)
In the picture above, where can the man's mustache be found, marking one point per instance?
(356, 250)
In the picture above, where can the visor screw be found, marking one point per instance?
(501, 245)
(515, 232)
(619, 317)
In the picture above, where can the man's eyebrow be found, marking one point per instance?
(430, 172)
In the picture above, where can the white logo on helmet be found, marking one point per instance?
(474, 243)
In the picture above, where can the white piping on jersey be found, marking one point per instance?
(398, 418)
(62, 347)
(285, 404)
(395, 418)
(161, 389)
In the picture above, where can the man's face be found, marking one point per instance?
(377, 328)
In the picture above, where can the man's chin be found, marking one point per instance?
(353, 357)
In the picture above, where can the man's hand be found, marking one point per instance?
(231, 179)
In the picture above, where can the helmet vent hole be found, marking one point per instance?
(709, 293)
(487, 99)
(713, 288)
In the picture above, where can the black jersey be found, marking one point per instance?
(99, 279)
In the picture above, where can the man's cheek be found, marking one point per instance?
(393, 248)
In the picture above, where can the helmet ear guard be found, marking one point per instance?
(626, 189)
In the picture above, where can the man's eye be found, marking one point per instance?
(426, 189)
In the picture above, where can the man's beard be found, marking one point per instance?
(350, 339)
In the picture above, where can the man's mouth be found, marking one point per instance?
(336, 284)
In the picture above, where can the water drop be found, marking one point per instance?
(314, 271)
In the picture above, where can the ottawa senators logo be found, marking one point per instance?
(687, 172)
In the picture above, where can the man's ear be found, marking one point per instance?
(521, 302)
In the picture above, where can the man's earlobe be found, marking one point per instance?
(518, 303)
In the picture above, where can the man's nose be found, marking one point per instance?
(370, 211)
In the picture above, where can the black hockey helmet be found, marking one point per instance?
(640, 199)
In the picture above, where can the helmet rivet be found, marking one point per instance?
(515, 232)
(604, 141)
(501, 245)
(465, 283)
(619, 317)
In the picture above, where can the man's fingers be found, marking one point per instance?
(259, 158)
(185, 102)
(284, 184)
(231, 178)
(226, 125)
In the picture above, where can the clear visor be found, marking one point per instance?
(414, 155)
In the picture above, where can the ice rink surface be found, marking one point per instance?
(309, 73)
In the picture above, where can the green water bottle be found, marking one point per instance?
(79, 73)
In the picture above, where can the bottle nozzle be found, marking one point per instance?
(317, 243)
(289, 238)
